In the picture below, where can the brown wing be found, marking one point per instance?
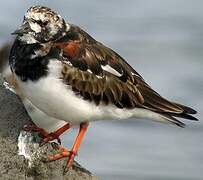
(99, 74)
(93, 72)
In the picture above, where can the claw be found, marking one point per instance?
(51, 137)
(63, 152)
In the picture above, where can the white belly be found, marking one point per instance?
(56, 99)
(51, 96)
(41, 119)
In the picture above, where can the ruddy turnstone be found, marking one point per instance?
(71, 77)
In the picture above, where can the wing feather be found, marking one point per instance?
(99, 74)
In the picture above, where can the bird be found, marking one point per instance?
(73, 78)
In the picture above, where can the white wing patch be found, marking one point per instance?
(111, 70)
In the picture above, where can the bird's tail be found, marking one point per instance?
(186, 114)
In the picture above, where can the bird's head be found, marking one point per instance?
(41, 25)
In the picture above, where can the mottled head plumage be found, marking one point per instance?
(41, 24)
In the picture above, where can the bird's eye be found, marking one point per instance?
(45, 23)
(42, 23)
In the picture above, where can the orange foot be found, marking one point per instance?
(55, 135)
(70, 154)
(47, 137)
(63, 152)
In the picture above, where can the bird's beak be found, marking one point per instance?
(23, 29)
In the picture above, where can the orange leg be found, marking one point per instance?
(76, 146)
(57, 133)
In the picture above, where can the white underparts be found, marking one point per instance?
(54, 98)
(41, 119)
(57, 100)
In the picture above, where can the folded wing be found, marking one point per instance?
(99, 74)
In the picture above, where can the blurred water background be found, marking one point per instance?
(163, 41)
